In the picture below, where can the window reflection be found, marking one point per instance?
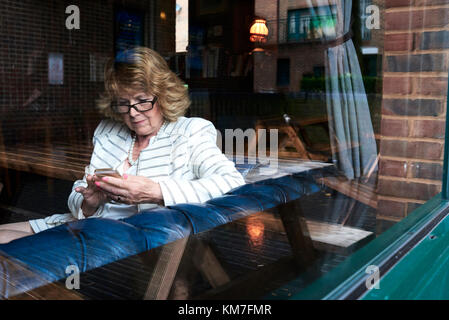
(255, 230)
(358, 115)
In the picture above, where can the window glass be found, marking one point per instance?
(304, 25)
(283, 72)
(331, 121)
(364, 8)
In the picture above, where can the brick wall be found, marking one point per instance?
(303, 56)
(413, 105)
(30, 30)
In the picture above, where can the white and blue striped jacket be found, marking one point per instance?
(183, 158)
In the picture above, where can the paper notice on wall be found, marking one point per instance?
(96, 63)
(56, 68)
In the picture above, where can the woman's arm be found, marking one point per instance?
(75, 201)
(215, 174)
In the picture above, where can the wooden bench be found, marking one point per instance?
(365, 193)
(165, 268)
(304, 237)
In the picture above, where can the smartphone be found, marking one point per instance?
(107, 172)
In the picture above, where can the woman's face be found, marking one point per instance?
(145, 123)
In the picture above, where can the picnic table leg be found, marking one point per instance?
(208, 264)
(165, 270)
(297, 233)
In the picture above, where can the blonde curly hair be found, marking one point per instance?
(142, 69)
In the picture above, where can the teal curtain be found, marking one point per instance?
(351, 131)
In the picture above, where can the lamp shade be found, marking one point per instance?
(258, 31)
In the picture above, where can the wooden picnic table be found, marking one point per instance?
(60, 160)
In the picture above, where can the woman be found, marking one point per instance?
(163, 157)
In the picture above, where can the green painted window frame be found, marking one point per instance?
(347, 279)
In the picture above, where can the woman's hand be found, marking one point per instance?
(131, 189)
(93, 197)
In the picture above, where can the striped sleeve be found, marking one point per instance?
(215, 174)
(75, 198)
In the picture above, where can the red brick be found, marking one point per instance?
(434, 86)
(394, 148)
(415, 107)
(411, 206)
(398, 42)
(411, 149)
(398, 3)
(425, 150)
(417, 19)
(397, 85)
(416, 63)
(391, 208)
(426, 170)
(394, 128)
(393, 168)
(408, 190)
(431, 40)
(429, 2)
(428, 129)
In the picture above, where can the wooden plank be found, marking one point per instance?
(52, 291)
(34, 160)
(310, 121)
(61, 161)
(325, 236)
(335, 237)
(54, 161)
(50, 156)
(257, 283)
(44, 290)
(165, 270)
(44, 169)
(55, 148)
(80, 146)
(353, 189)
(297, 233)
(208, 264)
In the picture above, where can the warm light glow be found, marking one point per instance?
(255, 230)
(258, 31)
(163, 15)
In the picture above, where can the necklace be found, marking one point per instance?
(130, 152)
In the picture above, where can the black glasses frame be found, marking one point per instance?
(115, 106)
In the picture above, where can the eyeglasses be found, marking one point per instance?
(141, 106)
